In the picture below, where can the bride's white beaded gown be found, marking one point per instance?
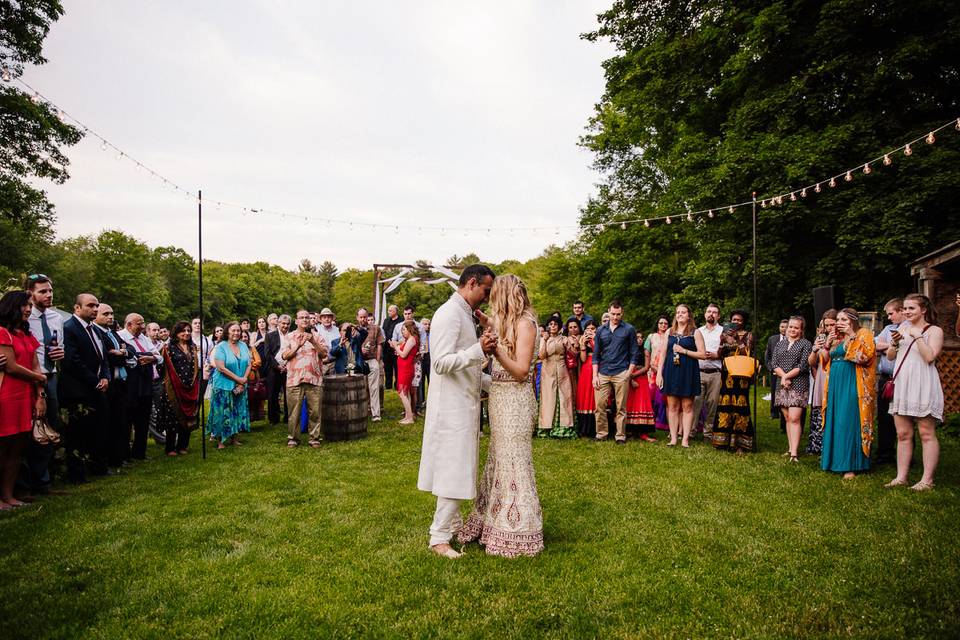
(506, 516)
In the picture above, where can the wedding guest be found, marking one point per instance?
(679, 375)
(272, 320)
(22, 394)
(424, 362)
(372, 351)
(397, 340)
(573, 331)
(918, 394)
(245, 327)
(389, 356)
(406, 351)
(586, 402)
(163, 335)
(581, 316)
(276, 369)
(734, 429)
(709, 370)
(556, 399)
(259, 336)
(217, 335)
(793, 385)
(886, 430)
(330, 334)
(850, 397)
(819, 384)
(82, 388)
(229, 408)
(639, 403)
(120, 357)
(614, 355)
(178, 404)
(768, 363)
(140, 381)
(652, 354)
(46, 325)
(347, 353)
(256, 387)
(304, 353)
(204, 345)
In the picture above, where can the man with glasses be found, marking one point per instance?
(304, 352)
(46, 325)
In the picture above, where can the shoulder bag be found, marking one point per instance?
(887, 392)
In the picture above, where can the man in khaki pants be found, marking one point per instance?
(615, 353)
(303, 353)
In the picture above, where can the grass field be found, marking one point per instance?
(641, 541)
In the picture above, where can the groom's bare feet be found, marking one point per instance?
(444, 550)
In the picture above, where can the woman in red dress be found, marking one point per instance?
(406, 360)
(21, 389)
(585, 403)
(639, 403)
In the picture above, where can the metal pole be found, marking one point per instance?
(203, 356)
(756, 323)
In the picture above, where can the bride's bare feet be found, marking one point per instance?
(445, 550)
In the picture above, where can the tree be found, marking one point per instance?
(31, 137)
(707, 101)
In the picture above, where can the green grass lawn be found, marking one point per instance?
(641, 541)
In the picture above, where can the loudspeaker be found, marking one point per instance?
(823, 298)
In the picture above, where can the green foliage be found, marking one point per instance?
(641, 541)
(709, 101)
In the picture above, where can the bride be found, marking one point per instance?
(506, 515)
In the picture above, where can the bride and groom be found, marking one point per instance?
(506, 516)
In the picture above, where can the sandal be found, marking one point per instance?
(292, 444)
(315, 444)
(895, 483)
(794, 459)
(923, 485)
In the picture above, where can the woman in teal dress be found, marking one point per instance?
(850, 398)
(229, 411)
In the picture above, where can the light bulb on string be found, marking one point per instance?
(623, 225)
(763, 204)
(887, 160)
(646, 223)
(848, 177)
(103, 146)
(803, 192)
(833, 182)
(396, 229)
(120, 156)
(35, 98)
(866, 169)
(668, 221)
(730, 209)
(689, 217)
(710, 213)
(5, 74)
(61, 116)
(957, 126)
(930, 138)
(793, 196)
(817, 188)
(218, 206)
(907, 151)
(305, 220)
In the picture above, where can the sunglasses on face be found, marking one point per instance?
(37, 276)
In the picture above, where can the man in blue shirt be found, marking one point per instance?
(615, 351)
(579, 314)
(886, 431)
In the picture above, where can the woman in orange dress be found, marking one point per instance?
(585, 400)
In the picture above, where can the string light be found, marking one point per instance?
(730, 209)
(866, 169)
(793, 196)
(930, 138)
(35, 98)
(710, 213)
(833, 182)
(5, 74)
(817, 188)
(907, 151)
(763, 204)
(848, 177)
(803, 192)
(668, 220)
(623, 225)
(120, 156)
(887, 160)
(689, 217)
(646, 223)
(957, 127)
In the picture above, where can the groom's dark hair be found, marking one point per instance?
(478, 271)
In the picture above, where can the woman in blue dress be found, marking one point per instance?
(229, 411)
(679, 373)
(850, 397)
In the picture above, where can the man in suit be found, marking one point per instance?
(389, 357)
(276, 371)
(120, 356)
(768, 363)
(140, 381)
(83, 384)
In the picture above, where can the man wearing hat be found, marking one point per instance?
(331, 336)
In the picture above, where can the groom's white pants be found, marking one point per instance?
(446, 521)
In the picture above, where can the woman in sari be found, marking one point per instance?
(573, 332)
(586, 400)
(651, 353)
(556, 399)
(177, 412)
(850, 400)
(733, 428)
(639, 403)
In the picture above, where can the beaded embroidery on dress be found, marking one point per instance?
(506, 516)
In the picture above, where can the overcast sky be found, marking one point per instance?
(433, 113)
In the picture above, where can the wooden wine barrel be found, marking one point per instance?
(346, 407)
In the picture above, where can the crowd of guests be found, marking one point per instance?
(104, 385)
(594, 377)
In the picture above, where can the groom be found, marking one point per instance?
(450, 455)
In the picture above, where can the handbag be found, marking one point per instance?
(743, 366)
(43, 433)
(888, 388)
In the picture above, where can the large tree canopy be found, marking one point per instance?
(708, 101)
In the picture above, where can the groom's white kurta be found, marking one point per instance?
(451, 431)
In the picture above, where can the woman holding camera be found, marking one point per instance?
(850, 399)
(918, 395)
(586, 400)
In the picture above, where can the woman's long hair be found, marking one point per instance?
(414, 333)
(11, 310)
(929, 312)
(509, 304)
(691, 323)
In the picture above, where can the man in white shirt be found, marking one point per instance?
(709, 369)
(330, 334)
(204, 349)
(46, 325)
(140, 381)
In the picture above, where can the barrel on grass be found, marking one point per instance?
(346, 407)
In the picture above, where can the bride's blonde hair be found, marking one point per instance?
(509, 304)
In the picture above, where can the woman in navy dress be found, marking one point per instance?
(679, 373)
